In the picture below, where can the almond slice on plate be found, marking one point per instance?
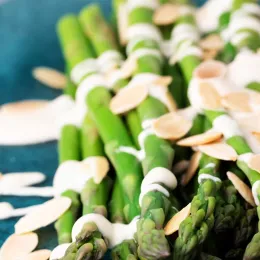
(17, 246)
(128, 99)
(212, 42)
(166, 14)
(254, 162)
(242, 188)
(42, 215)
(205, 138)
(99, 167)
(174, 224)
(221, 151)
(193, 167)
(209, 96)
(23, 106)
(171, 126)
(43, 254)
(237, 102)
(180, 167)
(50, 77)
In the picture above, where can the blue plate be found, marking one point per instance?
(27, 40)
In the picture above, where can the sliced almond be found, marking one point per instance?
(163, 81)
(128, 99)
(209, 95)
(221, 151)
(212, 42)
(17, 246)
(174, 224)
(209, 55)
(171, 126)
(50, 77)
(242, 188)
(99, 166)
(170, 102)
(128, 68)
(166, 14)
(23, 106)
(257, 136)
(43, 215)
(205, 138)
(254, 162)
(43, 254)
(250, 122)
(193, 167)
(122, 24)
(180, 167)
(237, 102)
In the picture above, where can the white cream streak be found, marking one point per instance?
(147, 52)
(246, 157)
(115, 233)
(256, 192)
(143, 135)
(59, 251)
(82, 69)
(148, 123)
(149, 4)
(205, 176)
(144, 30)
(140, 155)
(109, 59)
(132, 44)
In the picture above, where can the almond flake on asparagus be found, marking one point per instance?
(254, 162)
(205, 138)
(50, 77)
(128, 99)
(23, 106)
(174, 224)
(209, 55)
(163, 81)
(99, 167)
(166, 14)
(209, 95)
(242, 188)
(192, 169)
(237, 102)
(171, 126)
(221, 151)
(212, 42)
(17, 246)
(128, 68)
(43, 254)
(180, 167)
(43, 215)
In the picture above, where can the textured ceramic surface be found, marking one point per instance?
(28, 39)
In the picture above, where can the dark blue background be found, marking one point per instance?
(27, 40)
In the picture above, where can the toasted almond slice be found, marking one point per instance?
(221, 151)
(50, 77)
(254, 162)
(250, 122)
(209, 95)
(128, 99)
(191, 171)
(23, 106)
(99, 166)
(122, 23)
(171, 126)
(237, 102)
(170, 102)
(43, 215)
(180, 167)
(205, 138)
(128, 68)
(43, 254)
(242, 188)
(257, 136)
(212, 42)
(17, 246)
(163, 81)
(209, 55)
(166, 14)
(174, 224)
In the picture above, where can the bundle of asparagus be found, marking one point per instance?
(179, 171)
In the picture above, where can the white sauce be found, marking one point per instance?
(210, 165)
(132, 44)
(146, 52)
(205, 176)
(208, 15)
(255, 188)
(82, 69)
(144, 30)
(226, 125)
(133, 4)
(33, 127)
(140, 155)
(143, 135)
(248, 62)
(246, 157)
(148, 123)
(115, 233)
(59, 251)
(108, 60)
(152, 187)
